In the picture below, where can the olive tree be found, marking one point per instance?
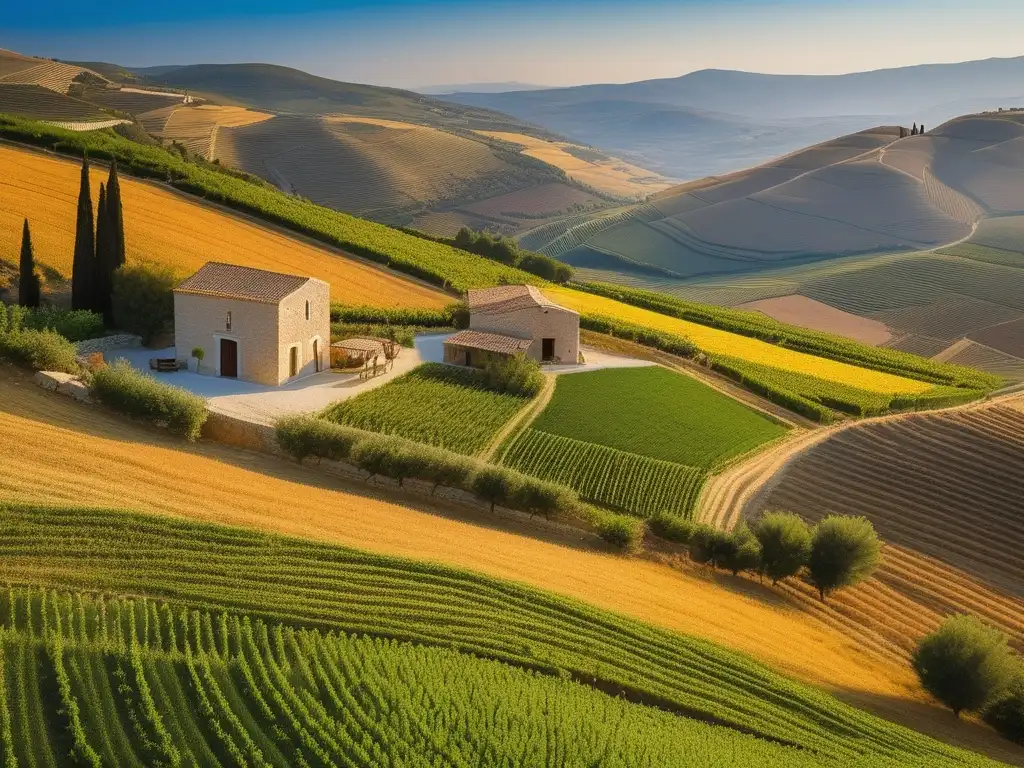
(785, 544)
(844, 551)
(964, 664)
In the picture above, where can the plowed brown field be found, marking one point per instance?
(107, 461)
(165, 227)
(944, 492)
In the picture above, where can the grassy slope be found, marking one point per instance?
(332, 588)
(434, 404)
(656, 413)
(161, 225)
(116, 463)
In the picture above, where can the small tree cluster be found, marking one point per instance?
(507, 251)
(970, 667)
(142, 301)
(838, 552)
(387, 456)
(99, 252)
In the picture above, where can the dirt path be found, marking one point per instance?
(522, 419)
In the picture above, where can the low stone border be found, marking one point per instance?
(65, 383)
(108, 343)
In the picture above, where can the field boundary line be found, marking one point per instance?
(522, 420)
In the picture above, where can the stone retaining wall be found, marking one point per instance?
(109, 343)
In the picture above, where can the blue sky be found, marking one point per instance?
(409, 43)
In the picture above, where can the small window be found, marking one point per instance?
(227, 322)
(307, 310)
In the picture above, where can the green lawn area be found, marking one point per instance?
(656, 413)
(436, 404)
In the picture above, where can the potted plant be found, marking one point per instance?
(196, 360)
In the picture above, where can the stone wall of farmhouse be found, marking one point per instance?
(296, 330)
(536, 323)
(200, 321)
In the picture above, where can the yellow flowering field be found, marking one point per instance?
(742, 347)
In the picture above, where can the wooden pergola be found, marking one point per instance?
(367, 351)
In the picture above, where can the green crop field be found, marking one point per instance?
(607, 476)
(139, 640)
(437, 404)
(656, 413)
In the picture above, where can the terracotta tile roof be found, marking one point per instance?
(489, 342)
(229, 281)
(507, 298)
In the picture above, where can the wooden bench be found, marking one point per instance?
(163, 364)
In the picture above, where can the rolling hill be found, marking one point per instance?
(717, 121)
(921, 236)
(163, 226)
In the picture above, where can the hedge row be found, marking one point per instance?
(305, 436)
(776, 394)
(137, 394)
(666, 342)
(449, 317)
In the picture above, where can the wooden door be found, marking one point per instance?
(547, 349)
(229, 358)
(316, 354)
(293, 362)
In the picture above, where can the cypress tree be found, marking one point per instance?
(102, 281)
(913, 131)
(116, 215)
(85, 247)
(29, 288)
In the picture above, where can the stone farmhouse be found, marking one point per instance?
(515, 319)
(254, 325)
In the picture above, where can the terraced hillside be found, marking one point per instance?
(16, 69)
(366, 680)
(663, 433)
(161, 225)
(197, 127)
(39, 103)
(943, 491)
(120, 462)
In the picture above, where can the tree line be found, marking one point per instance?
(99, 251)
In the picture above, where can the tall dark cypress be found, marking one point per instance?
(116, 214)
(29, 288)
(84, 266)
(101, 285)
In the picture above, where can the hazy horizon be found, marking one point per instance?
(423, 43)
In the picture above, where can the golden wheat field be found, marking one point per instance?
(163, 226)
(605, 174)
(107, 461)
(743, 347)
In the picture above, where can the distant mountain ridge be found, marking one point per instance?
(751, 117)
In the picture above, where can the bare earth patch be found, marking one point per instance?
(800, 310)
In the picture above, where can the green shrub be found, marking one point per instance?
(785, 544)
(516, 375)
(72, 324)
(423, 318)
(740, 552)
(622, 531)
(137, 394)
(964, 664)
(710, 546)
(844, 551)
(540, 498)
(1006, 715)
(303, 436)
(372, 455)
(39, 350)
(495, 485)
(670, 527)
(443, 468)
(143, 299)
(405, 460)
